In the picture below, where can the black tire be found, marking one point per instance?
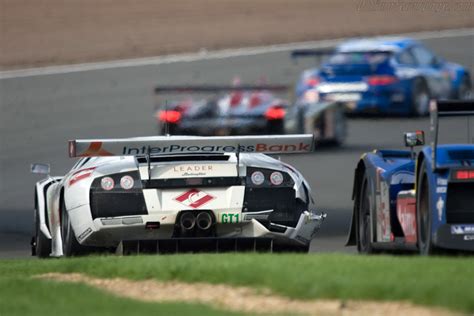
(42, 246)
(423, 215)
(420, 98)
(464, 90)
(71, 246)
(364, 219)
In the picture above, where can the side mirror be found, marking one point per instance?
(413, 139)
(40, 168)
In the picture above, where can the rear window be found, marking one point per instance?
(358, 58)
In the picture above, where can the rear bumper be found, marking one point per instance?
(376, 102)
(109, 232)
(449, 237)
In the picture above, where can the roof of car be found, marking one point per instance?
(376, 44)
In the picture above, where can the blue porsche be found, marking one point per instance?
(420, 202)
(383, 75)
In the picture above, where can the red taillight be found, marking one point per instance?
(381, 80)
(255, 100)
(275, 113)
(464, 174)
(236, 98)
(170, 116)
(81, 175)
(312, 81)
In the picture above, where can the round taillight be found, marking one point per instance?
(276, 178)
(107, 183)
(127, 182)
(257, 178)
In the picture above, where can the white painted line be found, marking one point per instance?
(209, 55)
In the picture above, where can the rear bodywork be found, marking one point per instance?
(180, 201)
(395, 180)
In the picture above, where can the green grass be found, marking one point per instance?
(445, 282)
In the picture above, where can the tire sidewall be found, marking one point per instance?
(425, 248)
(419, 86)
(366, 249)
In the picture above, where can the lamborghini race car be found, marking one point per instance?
(175, 194)
(385, 75)
(422, 202)
(245, 110)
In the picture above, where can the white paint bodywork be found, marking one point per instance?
(162, 204)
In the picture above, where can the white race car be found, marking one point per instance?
(174, 194)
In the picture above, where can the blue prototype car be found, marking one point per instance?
(422, 202)
(382, 75)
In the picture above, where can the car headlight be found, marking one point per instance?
(257, 177)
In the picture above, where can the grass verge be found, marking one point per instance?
(443, 282)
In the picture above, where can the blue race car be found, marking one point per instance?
(422, 202)
(382, 75)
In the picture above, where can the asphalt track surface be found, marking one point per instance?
(39, 114)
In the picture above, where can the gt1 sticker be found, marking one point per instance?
(230, 218)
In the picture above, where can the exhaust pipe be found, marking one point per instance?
(187, 221)
(204, 221)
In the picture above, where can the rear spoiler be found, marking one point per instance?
(219, 88)
(299, 53)
(443, 108)
(165, 145)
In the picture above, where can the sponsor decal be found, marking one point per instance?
(384, 212)
(230, 218)
(442, 181)
(462, 229)
(441, 189)
(468, 237)
(194, 198)
(192, 170)
(259, 147)
(95, 149)
(440, 208)
(84, 234)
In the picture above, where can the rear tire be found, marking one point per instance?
(364, 219)
(71, 246)
(423, 216)
(42, 243)
(464, 90)
(420, 98)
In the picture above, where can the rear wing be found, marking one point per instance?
(166, 145)
(446, 108)
(300, 53)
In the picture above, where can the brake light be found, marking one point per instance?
(170, 116)
(275, 113)
(312, 81)
(81, 175)
(464, 174)
(381, 80)
(255, 100)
